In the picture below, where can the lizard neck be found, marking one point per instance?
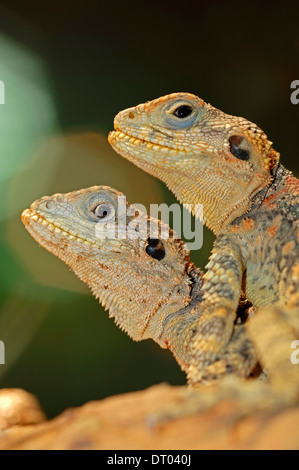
(179, 327)
(281, 194)
(222, 201)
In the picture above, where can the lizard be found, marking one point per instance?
(136, 266)
(250, 203)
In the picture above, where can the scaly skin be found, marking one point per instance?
(250, 202)
(149, 285)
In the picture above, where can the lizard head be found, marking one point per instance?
(110, 245)
(203, 155)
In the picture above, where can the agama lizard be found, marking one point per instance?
(251, 204)
(149, 285)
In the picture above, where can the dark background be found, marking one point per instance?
(68, 68)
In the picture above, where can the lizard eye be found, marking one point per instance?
(155, 248)
(239, 147)
(181, 114)
(183, 111)
(104, 211)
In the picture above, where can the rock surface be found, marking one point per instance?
(124, 422)
(18, 407)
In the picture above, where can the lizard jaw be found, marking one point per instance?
(122, 141)
(37, 223)
(133, 139)
(154, 157)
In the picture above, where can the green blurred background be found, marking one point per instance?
(68, 68)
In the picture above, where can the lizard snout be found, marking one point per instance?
(47, 204)
(126, 117)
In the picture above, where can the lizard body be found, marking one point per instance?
(148, 284)
(251, 203)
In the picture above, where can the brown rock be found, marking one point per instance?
(18, 407)
(124, 422)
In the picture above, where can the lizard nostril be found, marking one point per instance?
(50, 204)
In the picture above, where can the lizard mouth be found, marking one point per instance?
(118, 138)
(31, 219)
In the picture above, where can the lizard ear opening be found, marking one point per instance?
(155, 248)
(239, 147)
